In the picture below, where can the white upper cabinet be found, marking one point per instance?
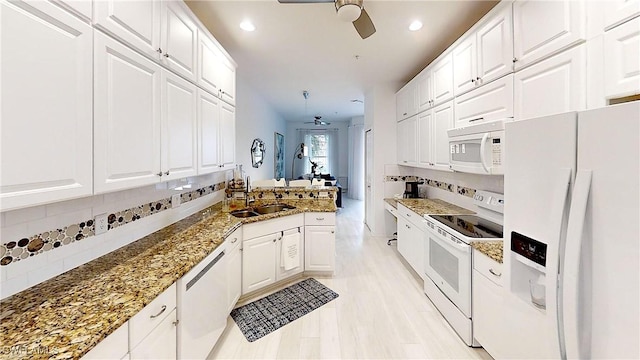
(424, 85)
(178, 39)
(406, 101)
(493, 101)
(216, 129)
(208, 61)
(82, 8)
(617, 12)
(134, 22)
(433, 142)
(425, 134)
(552, 86)
(179, 127)
(127, 117)
(486, 53)
(543, 28)
(407, 133)
(622, 60)
(46, 97)
(443, 79)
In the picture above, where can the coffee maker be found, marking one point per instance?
(411, 189)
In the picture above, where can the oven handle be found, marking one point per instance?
(462, 248)
(483, 145)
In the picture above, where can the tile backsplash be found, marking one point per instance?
(438, 184)
(44, 241)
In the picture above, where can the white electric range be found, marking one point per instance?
(448, 258)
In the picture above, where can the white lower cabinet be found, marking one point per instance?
(552, 86)
(622, 60)
(262, 251)
(320, 242)
(492, 101)
(487, 304)
(411, 239)
(161, 341)
(234, 268)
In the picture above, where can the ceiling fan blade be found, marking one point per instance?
(364, 25)
(304, 1)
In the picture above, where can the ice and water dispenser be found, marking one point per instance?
(528, 276)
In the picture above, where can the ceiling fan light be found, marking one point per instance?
(349, 12)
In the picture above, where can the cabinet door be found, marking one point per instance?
(46, 97)
(424, 84)
(555, 85)
(490, 102)
(227, 135)
(622, 60)
(488, 315)
(294, 235)
(234, 277)
(134, 22)
(402, 104)
(495, 47)
(114, 346)
(404, 237)
(258, 262)
(617, 12)
(209, 132)
(227, 75)
(443, 120)
(208, 63)
(464, 66)
(425, 136)
(443, 80)
(126, 117)
(320, 248)
(407, 134)
(160, 343)
(179, 127)
(179, 39)
(563, 26)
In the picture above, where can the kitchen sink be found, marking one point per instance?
(270, 209)
(244, 213)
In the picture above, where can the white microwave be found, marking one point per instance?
(477, 149)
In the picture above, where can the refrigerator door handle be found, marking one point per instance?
(483, 145)
(568, 304)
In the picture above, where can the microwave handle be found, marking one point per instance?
(483, 145)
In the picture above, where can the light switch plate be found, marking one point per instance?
(101, 224)
(175, 201)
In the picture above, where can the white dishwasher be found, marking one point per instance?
(202, 305)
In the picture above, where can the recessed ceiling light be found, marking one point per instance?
(247, 26)
(415, 26)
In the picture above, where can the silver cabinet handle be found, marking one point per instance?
(159, 50)
(319, 219)
(408, 215)
(274, 240)
(514, 60)
(166, 172)
(166, 55)
(333, 231)
(408, 227)
(175, 323)
(494, 273)
(234, 240)
(159, 174)
(473, 80)
(478, 119)
(164, 307)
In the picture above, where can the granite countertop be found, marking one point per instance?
(491, 248)
(391, 201)
(433, 206)
(66, 316)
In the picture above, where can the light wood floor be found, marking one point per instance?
(382, 311)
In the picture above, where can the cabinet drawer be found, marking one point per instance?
(410, 216)
(321, 218)
(490, 102)
(391, 209)
(151, 316)
(114, 346)
(234, 239)
(488, 267)
(268, 227)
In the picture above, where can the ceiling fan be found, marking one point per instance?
(317, 121)
(348, 10)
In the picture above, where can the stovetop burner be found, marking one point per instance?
(471, 226)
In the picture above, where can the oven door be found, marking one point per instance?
(448, 265)
(477, 153)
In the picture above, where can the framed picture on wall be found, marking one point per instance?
(278, 156)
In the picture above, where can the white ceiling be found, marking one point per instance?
(298, 47)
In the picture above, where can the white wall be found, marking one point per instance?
(256, 119)
(291, 142)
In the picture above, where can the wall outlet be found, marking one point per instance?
(101, 224)
(323, 194)
(175, 200)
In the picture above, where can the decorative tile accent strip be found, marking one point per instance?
(287, 193)
(402, 178)
(466, 191)
(16, 250)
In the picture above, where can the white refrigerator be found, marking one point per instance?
(572, 243)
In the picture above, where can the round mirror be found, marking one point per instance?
(257, 152)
